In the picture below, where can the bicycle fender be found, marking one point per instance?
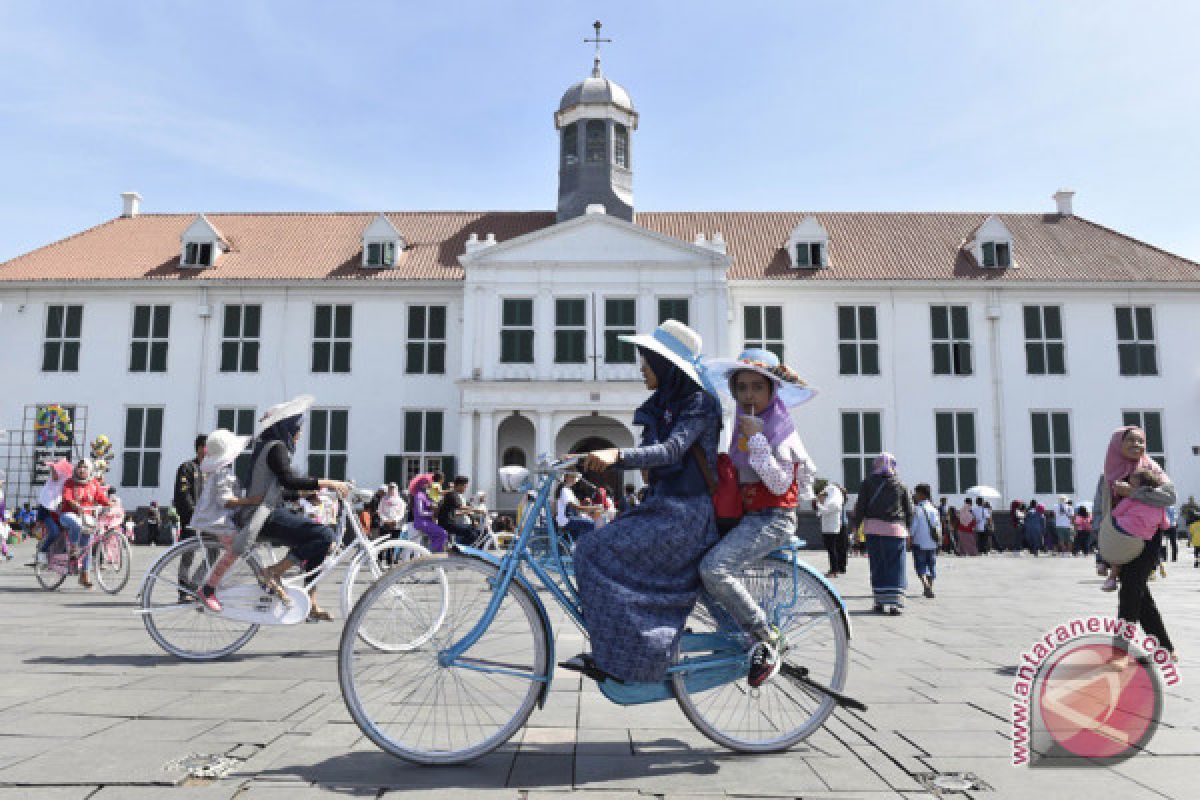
(789, 556)
(483, 555)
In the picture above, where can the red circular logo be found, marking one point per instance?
(1097, 701)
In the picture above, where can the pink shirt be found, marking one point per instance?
(1139, 519)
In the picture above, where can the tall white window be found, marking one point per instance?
(328, 442)
(64, 328)
(239, 338)
(1053, 465)
(426, 352)
(142, 453)
(620, 319)
(763, 328)
(956, 464)
(148, 347)
(862, 442)
(423, 448)
(516, 330)
(1045, 353)
(570, 330)
(1150, 422)
(858, 340)
(951, 340)
(332, 338)
(675, 308)
(1136, 350)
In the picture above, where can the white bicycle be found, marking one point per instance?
(179, 622)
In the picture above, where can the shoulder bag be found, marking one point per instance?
(1116, 547)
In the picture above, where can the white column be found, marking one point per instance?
(544, 435)
(543, 334)
(485, 472)
(466, 443)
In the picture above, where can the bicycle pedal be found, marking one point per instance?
(585, 665)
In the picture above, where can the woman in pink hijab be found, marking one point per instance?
(1126, 455)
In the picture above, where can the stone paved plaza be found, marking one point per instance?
(90, 708)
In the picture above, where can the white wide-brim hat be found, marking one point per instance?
(221, 449)
(677, 343)
(765, 363)
(297, 405)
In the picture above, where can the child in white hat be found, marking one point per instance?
(220, 494)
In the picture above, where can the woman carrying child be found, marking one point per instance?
(773, 471)
(1145, 491)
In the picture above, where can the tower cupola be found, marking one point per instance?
(595, 122)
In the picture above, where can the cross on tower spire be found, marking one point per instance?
(596, 63)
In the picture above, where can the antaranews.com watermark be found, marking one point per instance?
(1085, 691)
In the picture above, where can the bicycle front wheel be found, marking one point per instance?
(412, 706)
(783, 711)
(173, 614)
(111, 559)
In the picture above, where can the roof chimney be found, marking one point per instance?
(131, 203)
(1062, 199)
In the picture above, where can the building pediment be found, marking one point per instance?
(592, 238)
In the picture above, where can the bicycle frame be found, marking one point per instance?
(727, 662)
(337, 553)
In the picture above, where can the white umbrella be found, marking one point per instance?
(983, 493)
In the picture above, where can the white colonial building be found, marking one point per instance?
(981, 348)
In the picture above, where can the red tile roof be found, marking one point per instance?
(862, 246)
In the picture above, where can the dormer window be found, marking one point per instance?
(381, 254)
(808, 246)
(992, 245)
(997, 254)
(382, 244)
(810, 254)
(202, 244)
(197, 254)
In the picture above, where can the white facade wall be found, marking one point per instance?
(907, 393)
(478, 394)
(192, 389)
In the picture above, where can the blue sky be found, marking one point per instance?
(899, 105)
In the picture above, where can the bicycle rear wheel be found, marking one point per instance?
(369, 566)
(111, 559)
(412, 706)
(173, 614)
(782, 711)
(53, 572)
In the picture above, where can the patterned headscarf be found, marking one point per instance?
(885, 464)
(777, 426)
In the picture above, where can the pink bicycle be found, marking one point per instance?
(103, 539)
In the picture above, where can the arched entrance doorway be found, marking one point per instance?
(596, 432)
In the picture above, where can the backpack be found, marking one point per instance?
(723, 486)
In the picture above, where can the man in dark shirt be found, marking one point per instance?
(451, 513)
(187, 494)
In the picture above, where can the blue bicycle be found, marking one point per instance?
(475, 650)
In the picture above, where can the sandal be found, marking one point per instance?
(320, 615)
(270, 582)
